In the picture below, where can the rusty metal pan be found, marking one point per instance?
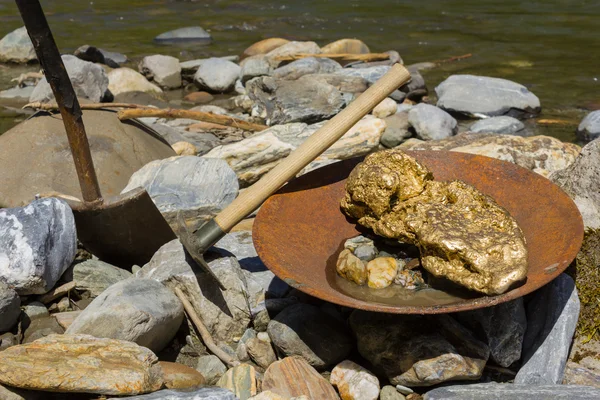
(299, 231)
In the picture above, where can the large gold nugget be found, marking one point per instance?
(463, 235)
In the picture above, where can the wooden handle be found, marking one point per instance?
(316, 144)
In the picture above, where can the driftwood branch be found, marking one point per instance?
(203, 331)
(197, 115)
(337, 56)
(454, 58)
(91, 106)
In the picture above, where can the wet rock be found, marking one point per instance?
(351, 267)
(418, 350)
(163, 70)
(95, 55)
(95, 276)
(292, 48)
(294, 377)
(577, 375)
(354, 382)
(211, 368)
(264, 46)
(386, 108)
(349, 46)
(478, 96)
(261, 352)
(306, 66)
(10, 307)
(381, 272)
(431, 123)
(303, 330)
(38, 242)
(195, 187)
(226, 314)
(240, 380)
(552, 317)
(503, 391)
(255, 66)
(16, 47)
(122, 80)
(17, 94)
(206, 393)
(190, 34)
(89, 81)
(502, 327)
(139, 310)
(178, 376)
(199, 97)
(541, 154)
(302, 100)
(396, 131)
(216, 75)
(81, 364)
(589, 128)
(502, 125)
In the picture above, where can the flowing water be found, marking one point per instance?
(552, 46)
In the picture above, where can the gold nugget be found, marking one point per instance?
(462, 234)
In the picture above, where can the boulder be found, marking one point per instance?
(16, 47)
(216, 75)
(589, 128)
(306, 66)
(354, 382)
(541, 154)
(502, 125)
(418, 350)
(482, 96)
(163, 70)
(10, 307)
(81, 364)
(122, 80)
(293, 377)
(196, 188)
(95, 276)
(89, 81)
(139, 310)
(190, 34)
(37, 244)
(503, 391)
(264, 46)
(303, 100)
(431, 123)
(303, 330)
(350, 46)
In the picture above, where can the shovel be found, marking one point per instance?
(130, 226)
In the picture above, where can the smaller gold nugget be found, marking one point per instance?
(462, 234)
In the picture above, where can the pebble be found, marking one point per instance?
(381, 272)
(165, 71)
(386, 108)
(294, 377)
(216, 75)
(211, 368)
(354, 382)
(10, 307)
(190, 34)
(34, 310)
(431, 123)
(396, 130)
(261, 352)
(16, 47)
(240, 380)
(184, 148)
(198, 97)
(589, 128)
(404, 390)
(94, 276)
(366, 252)
(390, 393)
(353, 243)
(351, 268)
(502, 125)
(123, 80)
(179, 376)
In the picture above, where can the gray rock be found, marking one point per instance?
(366, 252)
(304, 330)
(35, 310)
(188, 34)
(17, 93)
(10, 307)
(255, 66)
(390, 393)
(95, 55)
(204, 142)
(416, 83)
(138, 310)
(552, 317)
(16, 47)
(302, 100)
(370, 74)
(344, 83)
(165, 71)
(170, 134)
(216, 75)
(37, 244)
(504, 391)
(589, 128)
(479, 96)
(41, 327)
(502, 327)
(111, 57)
(431, 123)
(226, 313)
(242, 350)
(205, 393)
(418, 350)
(195, 187)
(501, 125)
(95, 276)
(396, 131)
(580, 181)
(211, 368)
(305, 66)
(89, 81)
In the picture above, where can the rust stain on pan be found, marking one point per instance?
(298, 231)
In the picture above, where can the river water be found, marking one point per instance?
(552, 46)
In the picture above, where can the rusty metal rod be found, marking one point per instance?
(56, 74)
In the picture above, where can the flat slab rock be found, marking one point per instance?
(206, 393)
(294, 377)
(500, 391)
(81, 364)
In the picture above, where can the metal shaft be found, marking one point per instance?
(56, 74)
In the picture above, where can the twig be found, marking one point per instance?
(197, 115)
(336, 56)
(204, 333)
(57, 292)
(455, 58)
(91, 106)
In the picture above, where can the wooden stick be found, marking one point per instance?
(197, 115)
(92, 106)
(204, 333)
(336, 56)
(56, 293)
(452, 59)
